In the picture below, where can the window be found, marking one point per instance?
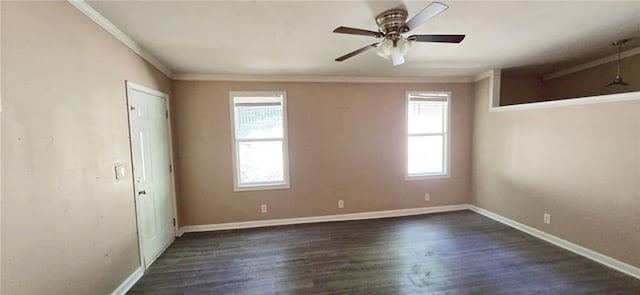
(427, 134)
(259, 131)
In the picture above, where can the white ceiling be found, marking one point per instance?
(295, 37)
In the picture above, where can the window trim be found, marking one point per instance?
(234, 143)
(447, 135)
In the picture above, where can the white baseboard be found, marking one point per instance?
(593, 255)
(326, 218)
(129, 282)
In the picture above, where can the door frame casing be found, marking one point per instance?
(132, 86)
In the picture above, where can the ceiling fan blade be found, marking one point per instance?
(354, 31)
(428, 12)
(437, 38)
(356, 52)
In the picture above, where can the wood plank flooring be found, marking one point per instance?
(447, 253)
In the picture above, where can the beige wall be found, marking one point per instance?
(579, 163)
(67, 226)
(346, 141)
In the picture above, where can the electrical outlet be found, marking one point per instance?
(547, 218)
(340, 204)
(427, 197)
(263, 208)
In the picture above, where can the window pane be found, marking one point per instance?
(260, 161)
(426, 154)
(261, 121)
(426, 116)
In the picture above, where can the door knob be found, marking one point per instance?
(143, 192)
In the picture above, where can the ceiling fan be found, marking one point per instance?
(391, 25)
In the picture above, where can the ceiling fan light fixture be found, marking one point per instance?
(395, 51)
(391, 25)
(403, 45)
(386, 48)
(397, 59)
(381, 54)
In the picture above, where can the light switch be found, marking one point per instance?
(120, 171)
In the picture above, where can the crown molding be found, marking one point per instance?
(591, 64)
(108, 26)
(483, 75)
(318, 79)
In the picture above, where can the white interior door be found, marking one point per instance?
(153, 183)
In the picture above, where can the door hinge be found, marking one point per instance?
(166, 113)
(170, 168)
(174, 222)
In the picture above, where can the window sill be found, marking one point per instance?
(426, 176)
(261, 187)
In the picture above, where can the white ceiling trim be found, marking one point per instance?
(120, 35)
(591, 64)
(607, 98)
(484, 75)
(321, 79)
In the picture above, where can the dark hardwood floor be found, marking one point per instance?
(446, 253)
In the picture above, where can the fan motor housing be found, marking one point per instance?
(391, 21)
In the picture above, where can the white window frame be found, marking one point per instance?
(446, 134)
(285, 142)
